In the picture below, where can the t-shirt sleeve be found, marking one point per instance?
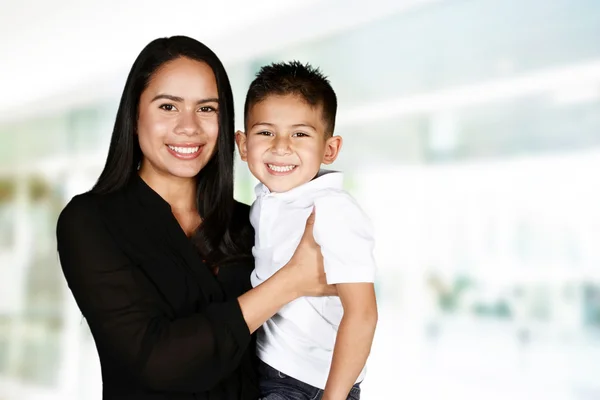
(345, 235)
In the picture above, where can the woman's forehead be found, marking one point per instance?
(184, 78)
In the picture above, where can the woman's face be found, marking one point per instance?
(178, 120)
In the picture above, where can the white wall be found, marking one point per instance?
(76, 51)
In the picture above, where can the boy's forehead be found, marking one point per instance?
(286, 109)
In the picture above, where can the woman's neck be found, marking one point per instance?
(180, 193)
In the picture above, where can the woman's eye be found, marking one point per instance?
(207, 109)
(167, 107)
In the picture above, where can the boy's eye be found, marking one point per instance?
(299, 134)
(264, 133)
(167, 107)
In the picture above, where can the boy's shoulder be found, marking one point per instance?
(339, 205)
(336, 197)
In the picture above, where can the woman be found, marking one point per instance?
(158, 253)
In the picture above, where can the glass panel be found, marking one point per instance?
(451, 43)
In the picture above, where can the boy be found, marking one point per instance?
(314, 346)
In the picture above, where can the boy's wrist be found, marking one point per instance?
(329, 394)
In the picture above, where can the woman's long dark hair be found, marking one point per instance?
(214, 198)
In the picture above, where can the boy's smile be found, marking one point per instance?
(276, 169)
(286, 142)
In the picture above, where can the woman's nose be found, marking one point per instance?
(187, 124)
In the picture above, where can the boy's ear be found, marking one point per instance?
(333, 145)
(240, 140)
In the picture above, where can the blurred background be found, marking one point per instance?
(471, 137)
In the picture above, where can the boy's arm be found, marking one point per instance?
(354, 338)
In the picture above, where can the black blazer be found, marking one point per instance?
(165, 327)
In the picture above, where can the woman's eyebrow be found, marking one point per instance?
(180, 99)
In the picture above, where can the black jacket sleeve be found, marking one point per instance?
(126, 316)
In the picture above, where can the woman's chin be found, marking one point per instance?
(184, 173)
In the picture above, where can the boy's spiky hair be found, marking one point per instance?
(295, 78)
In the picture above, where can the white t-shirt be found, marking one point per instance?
(300, 338)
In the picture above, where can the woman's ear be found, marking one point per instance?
(240, 140)
(333, 145)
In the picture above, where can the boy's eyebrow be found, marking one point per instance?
(304, 126)
(293, 126)
(180, 99)
(261, 123)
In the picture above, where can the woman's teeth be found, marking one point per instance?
(281, 168)
(184, 150)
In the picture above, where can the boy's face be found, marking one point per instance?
(285, 144)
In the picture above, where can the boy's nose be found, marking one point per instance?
(281, 146)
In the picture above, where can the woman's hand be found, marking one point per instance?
(303, 275)
(306, 265)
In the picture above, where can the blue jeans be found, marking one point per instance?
(275, 385)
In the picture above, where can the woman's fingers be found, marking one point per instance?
(308, 230)
(330, 290)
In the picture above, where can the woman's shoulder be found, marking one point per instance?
(84, 208)
(79, 205)
(241, 216)
(240, 229)
(88, 202)
(241, 209)
(78, 216)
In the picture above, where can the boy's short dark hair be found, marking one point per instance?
(295, 78)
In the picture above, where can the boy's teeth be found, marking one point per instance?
(281, 168)
(184, 150)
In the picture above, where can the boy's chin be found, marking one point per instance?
(280, 187)
(285, 183)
